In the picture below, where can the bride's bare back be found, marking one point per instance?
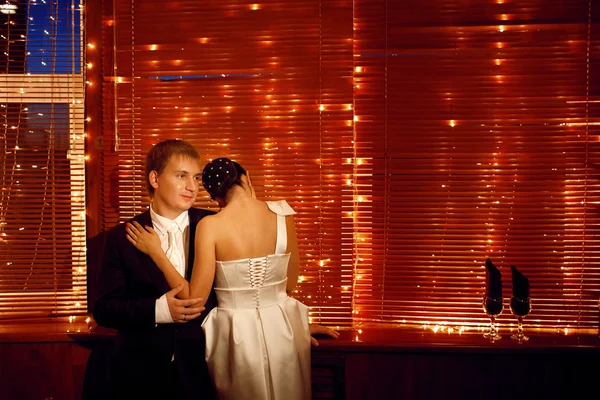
(245, 229)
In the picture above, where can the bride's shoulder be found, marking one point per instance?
(280, 207)
(208, 220)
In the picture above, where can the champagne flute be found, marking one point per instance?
(493, 307)
(520, 307)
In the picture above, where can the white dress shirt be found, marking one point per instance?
(181, 226)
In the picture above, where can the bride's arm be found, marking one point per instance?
(146, 240)
(171, 274)
(203, 274)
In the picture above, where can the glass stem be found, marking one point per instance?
(520, 327)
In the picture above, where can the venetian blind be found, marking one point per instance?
(42, 208)
(415, 139)
(268, 85)
(477, 124)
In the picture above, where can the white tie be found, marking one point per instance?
(173, 253)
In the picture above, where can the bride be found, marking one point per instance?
(257, 338)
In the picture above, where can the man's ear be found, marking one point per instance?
(153, 179)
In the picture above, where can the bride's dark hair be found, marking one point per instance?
(220, 175)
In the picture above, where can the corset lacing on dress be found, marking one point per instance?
(257, 269)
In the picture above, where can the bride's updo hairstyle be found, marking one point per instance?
(220, 175)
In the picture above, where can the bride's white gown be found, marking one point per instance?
(257, 338)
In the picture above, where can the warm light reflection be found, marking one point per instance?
(366, 179)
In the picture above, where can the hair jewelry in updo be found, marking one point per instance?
(220, 175)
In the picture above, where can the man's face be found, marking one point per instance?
(176, 188)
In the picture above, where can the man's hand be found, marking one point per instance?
(183, 310)
(321, 330)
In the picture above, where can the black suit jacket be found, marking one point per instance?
(129, 285)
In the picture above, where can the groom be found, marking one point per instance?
(160, 343)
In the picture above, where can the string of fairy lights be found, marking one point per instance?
(43, 121)
(274, 116)
(498, 198)
(501, 205)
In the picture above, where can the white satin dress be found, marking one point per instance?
(257, 338)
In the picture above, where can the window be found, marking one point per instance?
(476, 139)
(413, 142)
(42, 202)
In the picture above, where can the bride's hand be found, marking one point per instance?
(316, 329)
(145, 239)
